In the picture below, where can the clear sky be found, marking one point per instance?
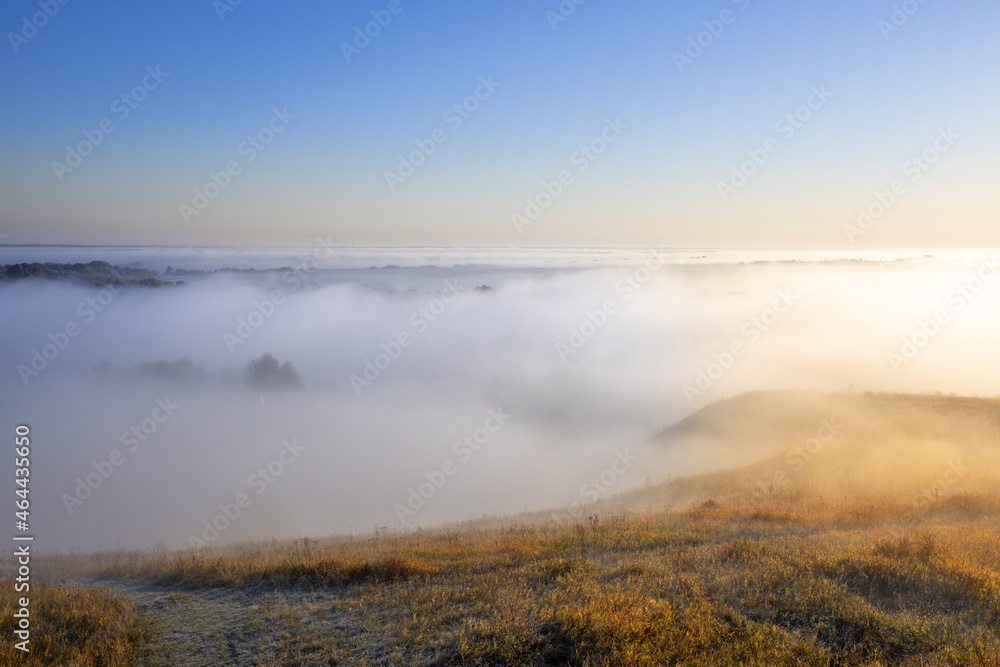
(676, 119)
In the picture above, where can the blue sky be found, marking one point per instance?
(657, 183)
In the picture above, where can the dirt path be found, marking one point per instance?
(242, 627)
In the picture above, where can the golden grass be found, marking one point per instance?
(779, 584)
(861, 557)
(72, 627)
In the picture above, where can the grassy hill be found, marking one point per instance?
(844, 529)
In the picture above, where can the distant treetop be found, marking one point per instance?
(94, 273)
(265, 371)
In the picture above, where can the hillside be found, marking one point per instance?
(879, 546)
(771, 446)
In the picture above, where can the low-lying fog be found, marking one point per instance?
(487, 381)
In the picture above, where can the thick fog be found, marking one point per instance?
(436, 385)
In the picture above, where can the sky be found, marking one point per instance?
(637, 124)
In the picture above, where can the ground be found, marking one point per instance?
(880, 548)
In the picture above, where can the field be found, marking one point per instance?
(845, 530)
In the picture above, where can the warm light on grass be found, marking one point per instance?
(850, 561)
(72, 627)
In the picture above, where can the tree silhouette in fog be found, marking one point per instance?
(265, 371)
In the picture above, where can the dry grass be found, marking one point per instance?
(840, 565)
(714, 585)
(72, 627)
